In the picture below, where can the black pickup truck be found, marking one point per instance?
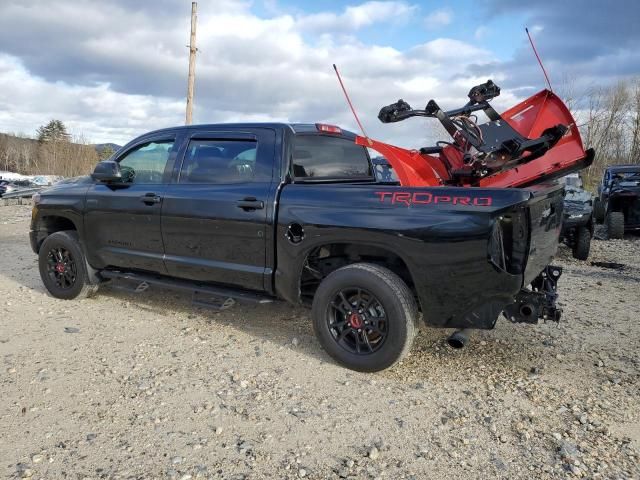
(294, 211)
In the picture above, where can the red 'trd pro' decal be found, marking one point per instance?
(428, 198)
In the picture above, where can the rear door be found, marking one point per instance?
(214, 213)
(122, 221)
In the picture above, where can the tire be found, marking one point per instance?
(63, 268)
(582, 243)
(388, 317)
(598, 210)
(615, 224)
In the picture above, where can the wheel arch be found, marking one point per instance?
(45, 225)
(322, 259)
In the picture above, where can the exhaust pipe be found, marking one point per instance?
(459, 339)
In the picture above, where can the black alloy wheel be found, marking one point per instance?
(365, 316)
(61, 268)
(357, 321)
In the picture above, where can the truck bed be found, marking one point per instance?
(468, 251)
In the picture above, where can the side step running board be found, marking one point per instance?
(145, 280)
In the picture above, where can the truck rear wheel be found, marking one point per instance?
(365, 317)
(63, 268)
(582, 243)
(615, 224)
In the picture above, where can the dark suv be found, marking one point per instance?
(618, 201)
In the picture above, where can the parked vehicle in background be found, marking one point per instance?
(16, 185)
(618, 201)
(4, 186)
(8, 187)
(577, 224)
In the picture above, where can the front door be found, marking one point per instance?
(214, 213)
(122, 220)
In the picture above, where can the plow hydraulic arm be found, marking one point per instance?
(533, 141)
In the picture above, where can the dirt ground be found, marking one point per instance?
(147, 386)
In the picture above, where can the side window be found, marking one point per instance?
(219, 161)
(321, 156)
(146, 163)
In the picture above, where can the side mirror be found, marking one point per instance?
(107, 171)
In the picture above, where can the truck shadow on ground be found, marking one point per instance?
(280, 323)
(290, 327)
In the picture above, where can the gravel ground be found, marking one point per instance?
(145, 386)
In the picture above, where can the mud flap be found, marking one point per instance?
(539, 302)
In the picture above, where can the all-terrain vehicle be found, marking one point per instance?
(618, 201)
(577, 223)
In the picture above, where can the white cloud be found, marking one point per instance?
(357, 17)
(439, 18)
(131, 77)
(96, 112)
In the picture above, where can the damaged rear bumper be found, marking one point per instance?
(539, 301)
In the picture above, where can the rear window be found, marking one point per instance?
(319, 157)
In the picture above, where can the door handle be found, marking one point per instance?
(250, 203)
(150, 198)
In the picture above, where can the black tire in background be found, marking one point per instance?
(598, 210)
(392, 297)
(63, 268)
(615, 224)
(582, 243)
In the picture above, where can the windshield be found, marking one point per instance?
(576, 195)
(626, 176)
(573, 180)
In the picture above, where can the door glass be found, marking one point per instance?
(219, 161)
(146, 163)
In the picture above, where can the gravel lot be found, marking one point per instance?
(146, 386)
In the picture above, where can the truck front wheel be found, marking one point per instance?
(63, 268)
(615, 224)
(365, 317)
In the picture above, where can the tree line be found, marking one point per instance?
(54, 152)
(609, 122)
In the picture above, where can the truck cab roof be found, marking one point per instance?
(296, 128)
(623, 168)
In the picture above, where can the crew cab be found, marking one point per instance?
(294, 211)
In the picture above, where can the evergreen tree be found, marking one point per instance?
(54, 131)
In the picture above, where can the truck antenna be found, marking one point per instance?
(538, 57)
(353, 110)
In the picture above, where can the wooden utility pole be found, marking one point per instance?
(192, 62)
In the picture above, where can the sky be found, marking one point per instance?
(114, 69)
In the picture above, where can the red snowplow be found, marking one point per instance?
(534, 141)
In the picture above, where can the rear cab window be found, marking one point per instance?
(324, 157)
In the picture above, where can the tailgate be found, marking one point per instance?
(545, 220)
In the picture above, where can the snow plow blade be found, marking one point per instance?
(534, 141)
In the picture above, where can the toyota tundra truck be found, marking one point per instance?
(294, 211)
